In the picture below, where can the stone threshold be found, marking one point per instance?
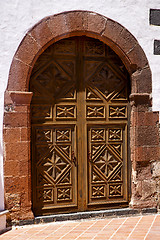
(86, 215)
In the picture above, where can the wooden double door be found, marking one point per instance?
(79, 115)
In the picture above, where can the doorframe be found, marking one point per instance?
(17, 157)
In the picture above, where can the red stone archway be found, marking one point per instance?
(143, 131)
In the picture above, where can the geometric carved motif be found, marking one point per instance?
(54, 168)
(54, 164)
(63, 135)
(117, 111)
(63, 194)
(114, 134)
(105, 80)
(105, 163)
(117, 148)
(94, 48)
(95, 112)
(91, 95)
(78, 83)
(45, 195)
(115, 190)
(42, 111)
(98, 191)
(43, 135)
(65, 111)
(97, 134)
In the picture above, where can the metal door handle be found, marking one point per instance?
(74, 160)
(89, 157)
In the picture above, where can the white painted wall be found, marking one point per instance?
(17, 16)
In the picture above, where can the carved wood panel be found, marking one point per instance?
(79, 115)
(106, 163)
(55, 170)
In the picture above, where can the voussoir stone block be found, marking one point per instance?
(137, 78)
(112, 30)
(137, 57)
(57, 25)
(27, 50)
(18, 75)
(74, 21)
(96, 23)
(41, 33)
(126, 40)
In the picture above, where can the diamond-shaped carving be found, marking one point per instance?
(54, 165)
(106, 162)
(66, 179)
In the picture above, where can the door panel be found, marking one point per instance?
(56, 171)
(79, 115)
(107, 164)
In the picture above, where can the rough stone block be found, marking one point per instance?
(147, 153)
(17, 76)
(146, 118)
(146, 136)
(14, 119)
(41, 33)
(10, 134)
(96, 23)
(138, 57)
(57, 25)
(11, 168)
(141, 81)
(27, 50)
(112, 30)
(156, 169)
(13, 201)
(24, 134)
(148, 189)
(74, 21)
(125, 40)
(17, 151)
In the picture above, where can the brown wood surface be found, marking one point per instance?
(79, 128)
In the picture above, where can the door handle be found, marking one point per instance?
(74, 159)
(89, 157)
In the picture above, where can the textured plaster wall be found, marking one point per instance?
(17, 17)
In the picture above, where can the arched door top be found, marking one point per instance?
(78, 23)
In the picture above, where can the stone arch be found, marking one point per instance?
(77, 23)
(17, 97)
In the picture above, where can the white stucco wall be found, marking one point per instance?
(17, 16)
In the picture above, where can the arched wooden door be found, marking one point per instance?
(79, 128)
